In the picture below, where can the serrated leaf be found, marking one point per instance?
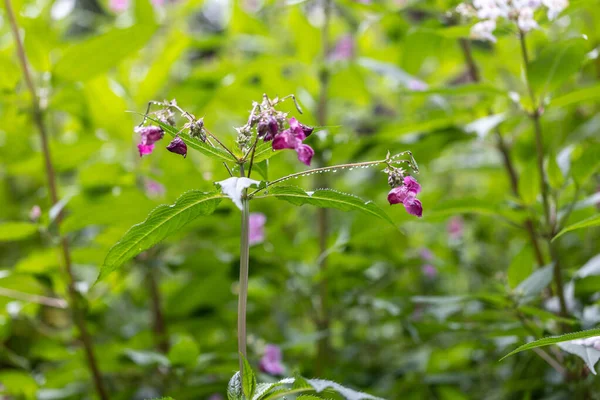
(300, 382)
(234, 387)
(10, 231)
(586, 223)
(248, 378)
(554, 340)
(99, 54)
(327, 198)
(216, 153)
(161, 222)
(264, 151)
(321, 385)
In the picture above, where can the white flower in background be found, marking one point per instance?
(555, 7)
(587, 349)
(484, 30)
(522, 12)
(525, 20)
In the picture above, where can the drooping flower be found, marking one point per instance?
(256, 231)
(270, 362)
(293, 138)
(149, 135)
(406, 194)
(178, 146)
(456, 227)
(267, 128)
(35, 213)
(429, 271)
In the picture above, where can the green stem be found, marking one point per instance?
(535, 116)
(243, 282)
(74, 297)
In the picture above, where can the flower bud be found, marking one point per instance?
(177, 146)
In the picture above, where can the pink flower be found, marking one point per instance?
(35, 213)
(456, 227)
(416, 85)
(429, 271)
(149, 135)
(292, 138)
(426, 254)
(256, 232)
(118, 5)
(406, 194)
(271, 360)
(153, 188)
(344, 49)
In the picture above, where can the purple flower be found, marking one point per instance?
(118, 5)
(177, 146)
(257, 228)
(153, 188)
(456, 227)
(344, 49)
(149, 135)
(292, 138)
(426, 254)
(406, 194)
(429, 271)
(267, 128)
(216, 396)
(416, 85)
(35, 213)
(271, 360)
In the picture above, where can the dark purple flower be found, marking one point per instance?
(271, 360)
(429, 271)
(256, 232)
(177, 146)
(267, 128)
(299, 130)
(305, 153)
(149, 135)
(456, 227)
(286, 140)
(406, 194)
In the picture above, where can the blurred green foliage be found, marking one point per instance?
(395, 331)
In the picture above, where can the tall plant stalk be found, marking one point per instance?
(38, 117)
(243, 282)
(323, 314)
(535, 116)
(504, 150)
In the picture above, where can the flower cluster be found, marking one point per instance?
(404, 191)
(520, 12)
(149, 135)
(270, 127)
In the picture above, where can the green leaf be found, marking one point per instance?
(184, 351)
(162, 222)
(535, 283)
(590, 93)
(10, 231)
(248, 378)
(196, 144)
(586, 223)
(327, 198)
(553, 340)
(556, 64)
(555, 176)
(264, 151)
(234, 387)
(99, 54)
(520, 267)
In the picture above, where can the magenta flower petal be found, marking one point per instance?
(285, 140)
(35, 213)
(413, 206)
(456, 227)
(178, 146)
(271, 360)
(257, 228)
(429, 271)
(397, 195)
(145, 149)
(305, 153)
(412, 185)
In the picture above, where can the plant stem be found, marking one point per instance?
(505, 152)
(159, 326)
(244, 267)
(323, 315)
(535, 116)
(78, 312)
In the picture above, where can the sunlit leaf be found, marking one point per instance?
(553, 340)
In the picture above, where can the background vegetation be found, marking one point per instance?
(423, 311)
